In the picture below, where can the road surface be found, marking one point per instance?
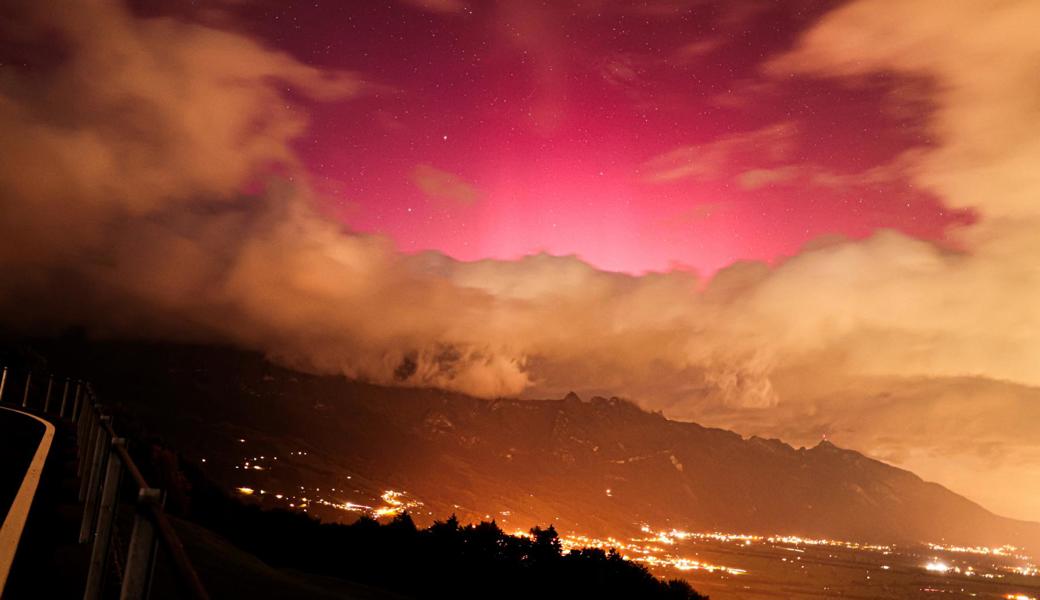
(24, 443)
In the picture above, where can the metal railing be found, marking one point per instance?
(45, 408)
(102, 461)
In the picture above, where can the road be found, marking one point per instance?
(26, 441)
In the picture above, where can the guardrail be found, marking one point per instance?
(102, 461)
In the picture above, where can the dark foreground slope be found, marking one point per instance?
(596, 465)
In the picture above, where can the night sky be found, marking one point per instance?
(496, 130)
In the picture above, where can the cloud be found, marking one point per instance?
(443, 185)
(695, 51)
(984, 112)
(987, 136)
(438, 6)
(151, 190)
(753, 179)
(144, 116)
(812, 175)
(745, 94)
(711, 160)
(620, 71)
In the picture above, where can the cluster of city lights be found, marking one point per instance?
(649, 551)
(670, 537)
(685, 564)
(942, 568)
(793, 543)
(983, 550)
(253, 464)
(649, 554)
(800, 541)
(394, 502)
(1028, 570)
(937, 566)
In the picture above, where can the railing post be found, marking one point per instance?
(93, 430)
(25, 394)
(94, 433)
(3, 384)
(141, 555)
(64, 396)
(47, 396)
(86, 398)
(81, 449)
(92, 484)
(106, 515)
(87, 447)
(76, 400)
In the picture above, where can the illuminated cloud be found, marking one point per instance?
(712, 159)
(144, 117)
(443, 185)
(697, 50)
(754, 179)
(984, 118)
(438, 6)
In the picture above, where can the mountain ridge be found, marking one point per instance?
(719, 480)
(596, 465)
